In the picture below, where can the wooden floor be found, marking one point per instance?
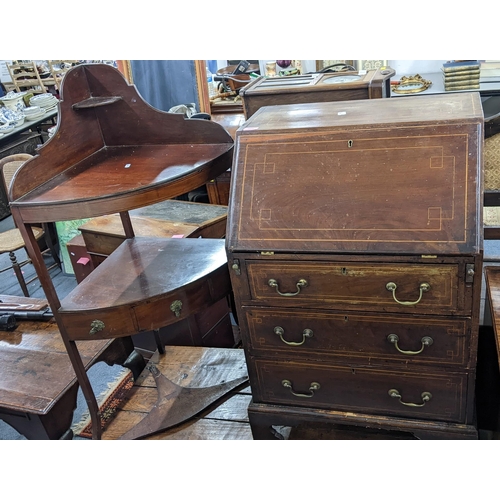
(190, 367)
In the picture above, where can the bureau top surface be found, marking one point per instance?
(367, 176)
(445, 108)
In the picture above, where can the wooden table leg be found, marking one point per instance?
(54, 425)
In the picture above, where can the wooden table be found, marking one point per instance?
(492, 275)
(38, 386)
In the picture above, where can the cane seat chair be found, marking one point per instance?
(492, 169)
(11, 241)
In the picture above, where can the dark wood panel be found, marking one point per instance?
(357, 285)
(355, 338)
(361, 390)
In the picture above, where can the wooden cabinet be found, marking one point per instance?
(315, 87)
(355, 248)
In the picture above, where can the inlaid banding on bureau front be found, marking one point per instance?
(355, 336)
(361, 389)
(281, 166)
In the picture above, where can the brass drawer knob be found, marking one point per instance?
(426, 396)
(96, 326)
(176, 307)
(300, 284)
(424, 287)
(394, 339)
(314, 387)
(307, 333)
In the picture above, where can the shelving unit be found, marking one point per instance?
(112, 153)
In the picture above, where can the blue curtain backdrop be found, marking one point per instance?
(167, 83)
(212, 66)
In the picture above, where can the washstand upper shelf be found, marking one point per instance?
(113, 152)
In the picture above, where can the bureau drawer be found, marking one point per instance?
(426, 289)
(369, 338)
(437, 396)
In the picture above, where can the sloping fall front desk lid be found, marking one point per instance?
(399, 175)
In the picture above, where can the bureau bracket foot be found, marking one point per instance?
(264, 419)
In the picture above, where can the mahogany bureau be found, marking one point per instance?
(355, 247)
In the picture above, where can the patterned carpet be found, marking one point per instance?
(109, 402)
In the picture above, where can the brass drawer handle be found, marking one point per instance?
(307, 333)
(426, 396)
(314, 387)
(300, 284)
(394, 339)
(96, 326)
(424, 287)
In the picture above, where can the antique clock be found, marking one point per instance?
(315, 87)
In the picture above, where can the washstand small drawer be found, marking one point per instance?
(373, 338)
(99, 324)
(428, 289)
(436, 396)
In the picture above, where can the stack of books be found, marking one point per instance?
(461, 75)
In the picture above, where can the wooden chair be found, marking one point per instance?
(11, 240)
(25, 76)
(119, 154)
(492, 187)
(58, 68)
(492, 169)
